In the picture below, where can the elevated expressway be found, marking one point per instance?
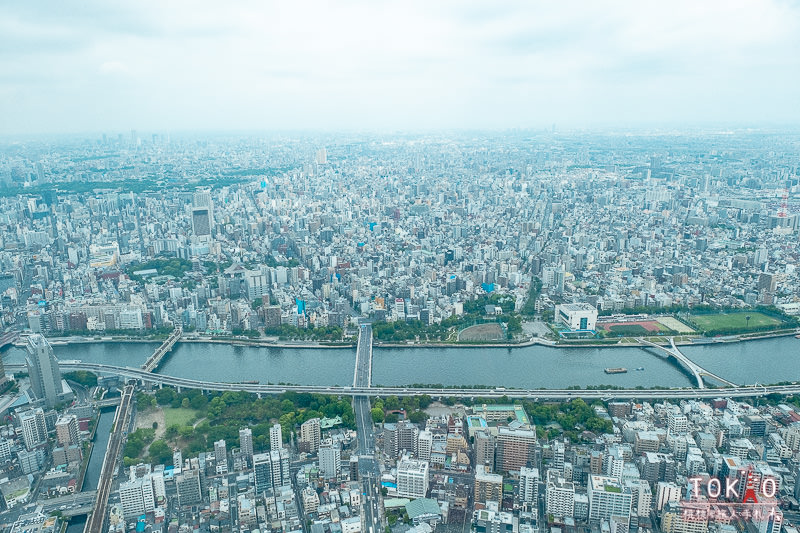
(498, 392)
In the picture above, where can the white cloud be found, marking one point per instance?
(395, 65)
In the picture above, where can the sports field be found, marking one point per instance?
(738, 320)
(637, 328)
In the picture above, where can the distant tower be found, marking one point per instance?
(202, 213)
(43, 370)
(784, 203)
(322, 156)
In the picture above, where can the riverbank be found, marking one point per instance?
(623, 342)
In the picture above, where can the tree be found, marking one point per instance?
(160, 452)
(377, 415)
(165, 396)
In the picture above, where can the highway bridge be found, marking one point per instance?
(497, 392)
(154, 360)
(697, 371)
(76, 504)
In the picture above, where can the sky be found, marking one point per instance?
(100, 66)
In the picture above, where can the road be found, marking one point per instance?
(747, 391)
(115, 442)
(368, 469)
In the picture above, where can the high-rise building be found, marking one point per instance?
(246, 444)
(424, 445)
(201, 221)
(43, 371)
(187, 484)
(488, 487)
(271, 470)
(484, 450)
(221, 456)
(275, 437)
(330, 459)
(67, 430)
(34, 428)
(412, 478)
(560, 495)
(262, 470)
(310, 433)
(137, 496)
(529, 485)
(607, 498)
(516, 447)
(666, 493)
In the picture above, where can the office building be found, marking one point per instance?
(202, 221)
(43, 370)
(310, 434)
(275, 437)
(187, 484)
(424, 445)
(271, 470)
(559, 496)
(34, 428)
(607, 498)
(515, 448)
(246, 444)
(666, 493)
(529, 485)
(330, 459)
(577, 316)
(484, 450)
(137, 497)
(488, 487)
(67, 430)
(221, 456)
(412, 478)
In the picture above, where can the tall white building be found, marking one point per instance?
(424, 445)
(666, 493)
(221, 456)
(607, 498)
(412, 478)
(560, 495)
(677, 423)
(529, 484)
(34, 428)
(275, 437)
(246, 443)
(137, 496)
(330, 459)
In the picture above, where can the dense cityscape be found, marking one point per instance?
(663, 240)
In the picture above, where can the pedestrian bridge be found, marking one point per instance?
(697, 371)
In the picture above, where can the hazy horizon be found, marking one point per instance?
(411, 67)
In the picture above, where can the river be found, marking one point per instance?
(763, 361)
(95, 463)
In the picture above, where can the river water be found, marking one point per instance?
(95, 463)
(762, 361)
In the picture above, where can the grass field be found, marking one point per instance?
(724, 321)
(178, 417)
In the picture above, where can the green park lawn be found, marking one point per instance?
(179, 416)
(725, 321)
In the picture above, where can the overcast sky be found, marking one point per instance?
(170, 66)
